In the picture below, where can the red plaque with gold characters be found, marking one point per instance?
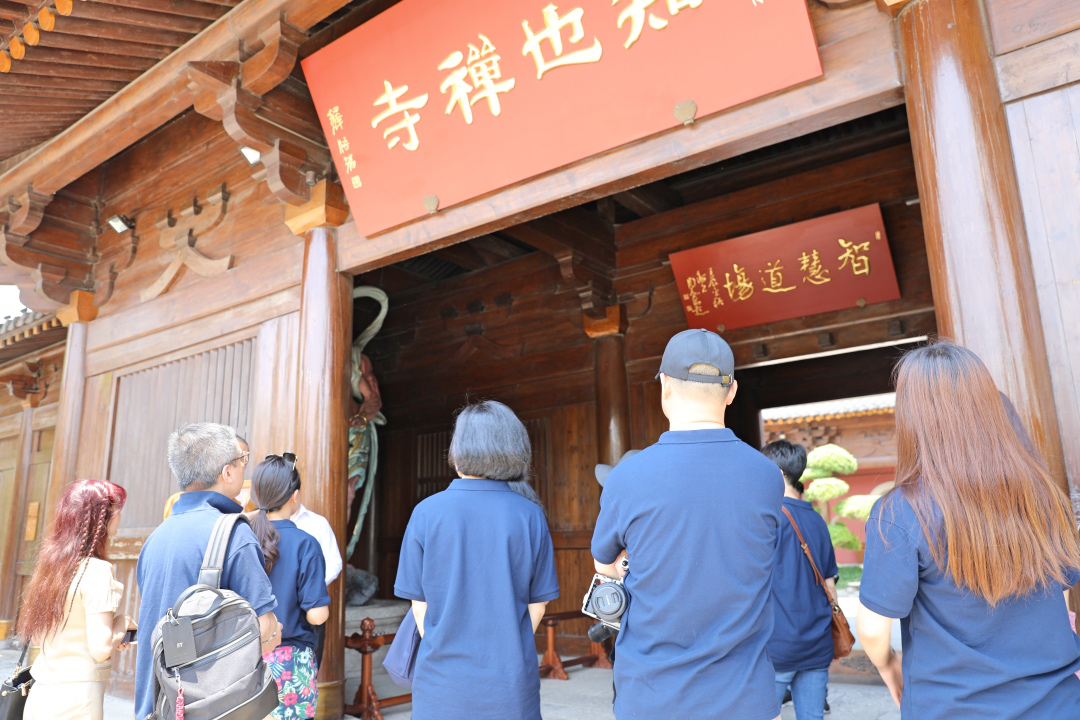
(828, 263)
(434, 102)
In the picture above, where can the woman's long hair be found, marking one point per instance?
(994, 518)
(272, 484)
(79, 531)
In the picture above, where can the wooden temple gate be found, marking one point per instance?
(224, 291)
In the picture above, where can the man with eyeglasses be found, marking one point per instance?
(208, 462)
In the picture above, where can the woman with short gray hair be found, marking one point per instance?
(478, 565)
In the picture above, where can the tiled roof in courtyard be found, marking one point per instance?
(883, 404)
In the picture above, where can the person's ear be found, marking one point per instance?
(731, 392)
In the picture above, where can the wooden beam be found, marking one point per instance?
(121, 33)
(186, 8)
(135, 18)
(156, 97)
(94, 44)
(65, 70)
(463, 256)
(32, 81)
(43, 54)
(651, 199)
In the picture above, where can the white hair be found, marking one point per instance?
(198, 452)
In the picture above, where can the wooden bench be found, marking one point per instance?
(367, 705)
(551, 665)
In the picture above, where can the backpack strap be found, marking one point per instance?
(213, 564)
(806, 550)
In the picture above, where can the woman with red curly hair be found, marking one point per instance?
(70, 606)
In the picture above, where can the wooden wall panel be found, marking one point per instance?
(184, 160)
(1045, 133)
(1018, 23)
(213, 386)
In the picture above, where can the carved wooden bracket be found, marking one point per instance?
(47, 276)
(584, 252)
(892, 8)
(231, 93)
(181, 233)
(118, 257)
(26, 385)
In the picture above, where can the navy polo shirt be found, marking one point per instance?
(962, 658)
(698, 514)
(299, 581)
(802, 631)
(169, 564)
(478, 554)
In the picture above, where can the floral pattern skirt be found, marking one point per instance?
(294, 671)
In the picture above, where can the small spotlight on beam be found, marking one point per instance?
(121, 223)
(250, 154)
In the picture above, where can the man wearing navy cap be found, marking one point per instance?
(697, 513)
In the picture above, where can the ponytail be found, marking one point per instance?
(272, 484)
(268, 538)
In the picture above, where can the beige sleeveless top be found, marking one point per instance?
(65, 655)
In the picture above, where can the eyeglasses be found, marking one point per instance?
(243, 458)
(290, 462)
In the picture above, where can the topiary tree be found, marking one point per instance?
(822, 464)
(843, 538)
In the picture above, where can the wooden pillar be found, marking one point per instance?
(75, 318)
(980, 265)
(322, 403)
(612, 394)
(17, 517)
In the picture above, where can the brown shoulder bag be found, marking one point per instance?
(841, 634)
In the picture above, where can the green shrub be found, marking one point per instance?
(856, 507)
(826, 489)
(843, 538)
(833, 458)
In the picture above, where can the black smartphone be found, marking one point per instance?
(131, 637)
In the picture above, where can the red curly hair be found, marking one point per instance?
(79, 531)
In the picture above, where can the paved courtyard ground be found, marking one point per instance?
(585, 696)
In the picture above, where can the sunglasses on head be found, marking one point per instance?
(290, 462)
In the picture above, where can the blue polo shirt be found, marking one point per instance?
(802, 631)
(698, 514)
(169, 564)
(962, 658)
(299, 581)
(477, 553)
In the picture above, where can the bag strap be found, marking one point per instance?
(22, 657)
(806, 551)
(214, 560)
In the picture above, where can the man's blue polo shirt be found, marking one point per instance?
(698, 514)
(299, 581)
(169, 564)
(802, 633)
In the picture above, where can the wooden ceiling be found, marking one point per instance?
(59, 59)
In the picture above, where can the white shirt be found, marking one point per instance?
(319, 528)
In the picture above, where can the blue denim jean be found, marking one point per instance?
(807, 691)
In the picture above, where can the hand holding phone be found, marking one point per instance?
(130, 637)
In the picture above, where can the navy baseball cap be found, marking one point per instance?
(691, 347)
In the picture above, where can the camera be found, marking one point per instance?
(606, 600)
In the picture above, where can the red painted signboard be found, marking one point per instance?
(434, 102)
(828, 263)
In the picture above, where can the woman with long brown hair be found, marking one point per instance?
(972, 550)
(70, 606)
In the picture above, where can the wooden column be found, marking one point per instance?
(612, 395)
(980, 266)
(322, 404)
(75, 318)
(16, 521)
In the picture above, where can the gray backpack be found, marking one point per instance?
(220, 672)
